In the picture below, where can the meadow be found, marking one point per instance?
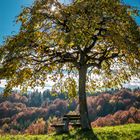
(122, 132)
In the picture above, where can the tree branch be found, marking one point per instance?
(95, 37)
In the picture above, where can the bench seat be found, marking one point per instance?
(57, 125)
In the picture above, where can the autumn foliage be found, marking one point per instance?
(119, 118)
(39, 127)
(20, 113)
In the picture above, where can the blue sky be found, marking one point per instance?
(9, 9)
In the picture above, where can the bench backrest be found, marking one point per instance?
(71, 115)
(71, 118)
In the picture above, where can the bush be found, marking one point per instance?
(39, 127)
(5, 128)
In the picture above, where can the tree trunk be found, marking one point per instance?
(82, 100)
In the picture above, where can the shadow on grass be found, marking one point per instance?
(77, 135)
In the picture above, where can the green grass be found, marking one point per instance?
(123, 132)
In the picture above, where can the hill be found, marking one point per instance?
(20, 113)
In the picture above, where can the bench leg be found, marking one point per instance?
(66, 127)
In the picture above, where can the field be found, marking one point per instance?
(123, 132)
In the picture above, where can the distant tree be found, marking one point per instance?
(35, 99)
(85, 38)
(46, 95)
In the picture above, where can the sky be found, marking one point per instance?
(9, 9)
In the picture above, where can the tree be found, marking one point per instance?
(35, 99)
(84, 38)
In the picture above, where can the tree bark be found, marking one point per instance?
(82, 99)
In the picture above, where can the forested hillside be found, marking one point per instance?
(35, 111)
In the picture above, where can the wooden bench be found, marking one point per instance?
(73, 120)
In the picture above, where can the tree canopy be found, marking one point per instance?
(55, 38)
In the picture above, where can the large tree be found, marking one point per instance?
(86, 38)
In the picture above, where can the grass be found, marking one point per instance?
(123, 132)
